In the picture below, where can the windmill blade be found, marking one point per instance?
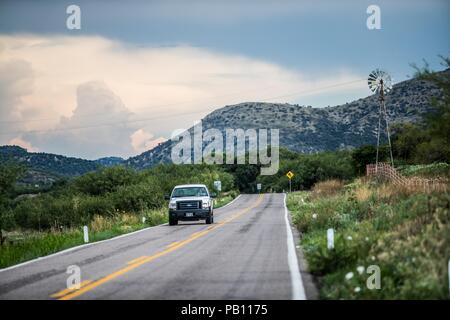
(376, 77)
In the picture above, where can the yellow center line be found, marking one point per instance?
(137, 259)
(147, 259)
(172, 244)
(68, 290)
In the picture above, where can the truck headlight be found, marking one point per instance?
(205, 205)
(172, 205)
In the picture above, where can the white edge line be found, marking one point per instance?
(92, 243)
(229, 203)
(298, 291)
(78, 247)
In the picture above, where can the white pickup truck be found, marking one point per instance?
(190, 202)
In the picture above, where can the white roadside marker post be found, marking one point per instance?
(330, 239)
(86, 234)
(143, 219)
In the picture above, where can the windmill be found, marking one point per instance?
(380, 82)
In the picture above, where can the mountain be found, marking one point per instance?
(110, 161)
(307, 129)
(302, 129)
(45, 168)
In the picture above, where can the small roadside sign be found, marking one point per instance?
(218, 185)
(258, 186)
(290, 175)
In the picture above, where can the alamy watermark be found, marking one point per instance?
(196, 146)
(373, 22)
(73, 21)
(73, 281)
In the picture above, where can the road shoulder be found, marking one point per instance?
(311, 291)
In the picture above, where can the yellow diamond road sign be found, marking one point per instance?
(290, 175)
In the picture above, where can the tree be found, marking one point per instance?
(429, 141)
(367, 154)
(8, 177)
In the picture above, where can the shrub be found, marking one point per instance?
(137, 197)
(105, 180)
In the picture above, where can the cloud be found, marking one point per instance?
(143, 141)
(16, 82)
(81, 134)
(108, 90)
(22, 143)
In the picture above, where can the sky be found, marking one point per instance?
(137, 71)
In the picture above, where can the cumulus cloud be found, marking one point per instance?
(142, 140)
(82, 135)
(16, 81)
(88, 95)
(22, 143)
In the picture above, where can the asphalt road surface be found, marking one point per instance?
(248, 253)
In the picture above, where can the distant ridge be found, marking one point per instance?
(307, 129)
(302, 128)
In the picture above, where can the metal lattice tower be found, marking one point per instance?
(380, 82)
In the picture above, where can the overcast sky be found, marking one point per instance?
(136, 72)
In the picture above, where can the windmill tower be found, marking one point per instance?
(380, 82)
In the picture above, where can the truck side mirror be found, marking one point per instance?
(166, 197)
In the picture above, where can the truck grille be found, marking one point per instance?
(188, 205)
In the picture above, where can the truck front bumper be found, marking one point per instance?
(189, 215)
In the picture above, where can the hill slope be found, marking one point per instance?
(302, 129)
(45, 168)
(306, 129)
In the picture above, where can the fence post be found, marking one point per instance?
(330, 239)
(86, 234)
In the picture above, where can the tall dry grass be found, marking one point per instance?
(363, 193)
(327, 188)
(101, 223)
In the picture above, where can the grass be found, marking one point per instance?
(405, 232)
(326, 188)
(224, 199)
(426, 170)
(24, 246)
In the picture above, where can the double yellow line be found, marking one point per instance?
(68, 294)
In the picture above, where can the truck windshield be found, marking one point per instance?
(190, 192)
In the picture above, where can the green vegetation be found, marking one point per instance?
(433, 170)
(405, 232)
(429, 141)
(308, 169)
(104, 193)
(225, 199)
(55, 165)
(25, 245)
(110, 201)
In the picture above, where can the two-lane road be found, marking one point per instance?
(248, 253)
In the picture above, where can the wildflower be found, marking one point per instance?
(357, 289)
(349, 275)
(367, 238)
(314, 216)
(349, 238)
(360, 269)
